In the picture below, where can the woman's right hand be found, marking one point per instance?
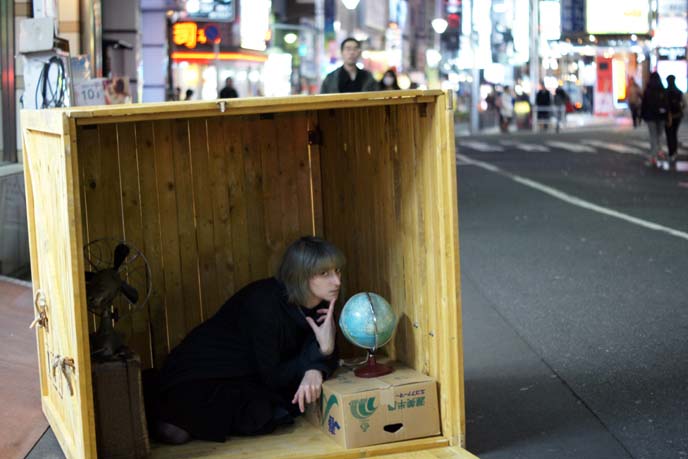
(326, 332)
(309, 389)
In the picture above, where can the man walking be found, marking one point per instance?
(228, 92)
(348, 77)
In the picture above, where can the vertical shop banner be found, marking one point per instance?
(604, 89)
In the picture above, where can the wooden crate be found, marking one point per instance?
(212, 192)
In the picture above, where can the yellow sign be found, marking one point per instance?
(188, 34)
(184, 33)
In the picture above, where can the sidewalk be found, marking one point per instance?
(574, 121)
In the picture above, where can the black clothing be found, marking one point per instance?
(671, 130)
(655, 104)
(346, 84)
(543, 100)
(233, 371)
(675, 103)
(228, 93)
(339, 81)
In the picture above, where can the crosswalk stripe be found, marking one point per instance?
(573, 147)
(615, 147)
(480, 146)
(525, 146)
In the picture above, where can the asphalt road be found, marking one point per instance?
(574, 265)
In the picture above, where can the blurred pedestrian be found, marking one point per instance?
(543, 104)
(561, 100)
(506, 109)
(654, 110)
(228, 92)
(676, 106)
(348, 77)
(634, 98)
(389, 81)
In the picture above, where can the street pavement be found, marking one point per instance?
(574, 262)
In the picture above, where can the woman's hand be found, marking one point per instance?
(309, 389)
(326, 332)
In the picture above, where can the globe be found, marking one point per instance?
(367, 320)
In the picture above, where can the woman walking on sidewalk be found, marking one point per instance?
(654, 111)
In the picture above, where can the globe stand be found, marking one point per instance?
(372, 369)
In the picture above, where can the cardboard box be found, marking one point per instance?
(358, 412)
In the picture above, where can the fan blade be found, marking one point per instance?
(130, 292)
(89, 275)
(121, 252)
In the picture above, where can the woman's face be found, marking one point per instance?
(324, 286)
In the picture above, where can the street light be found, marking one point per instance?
(350, 4)
(439, 25)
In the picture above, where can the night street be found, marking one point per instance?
(575, 296)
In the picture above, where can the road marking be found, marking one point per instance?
(573, 199)
(530, 147)
(570, 146)
(645, 145)
(480, 146)
(615, 147)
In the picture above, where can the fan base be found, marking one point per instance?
(372, 369)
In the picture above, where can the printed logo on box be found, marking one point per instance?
(332, 424)
(362, 409)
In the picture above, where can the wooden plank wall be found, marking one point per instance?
(389, 201)
(211, 202)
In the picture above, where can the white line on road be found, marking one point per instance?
(615, 147)
(525, 146)
(573, 147)
(573, 199)
(480, 146)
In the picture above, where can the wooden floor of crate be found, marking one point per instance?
(304, 441)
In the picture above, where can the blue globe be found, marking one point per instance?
(367, 320)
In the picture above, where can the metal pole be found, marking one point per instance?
(475, 72)
(534, 58)
(319, 39)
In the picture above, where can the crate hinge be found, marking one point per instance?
(41, 307)
(66, 366)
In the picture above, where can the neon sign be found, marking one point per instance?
(188, 34)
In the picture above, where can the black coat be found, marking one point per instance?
(655, 105)
(255, 334)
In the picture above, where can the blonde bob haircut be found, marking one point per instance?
(302, 260)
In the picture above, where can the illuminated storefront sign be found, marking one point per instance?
(618, 17)
(255, 23)
(190, 34)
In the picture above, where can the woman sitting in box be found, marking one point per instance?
(261, 358)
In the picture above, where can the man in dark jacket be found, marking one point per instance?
(229, 92)
(348, 77)
(676, 105)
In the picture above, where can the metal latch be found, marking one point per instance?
(66, 366)
(41, 306)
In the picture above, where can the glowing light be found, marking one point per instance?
(193, 6)
(184, 33)
(433, 57)
(439, 25)
(196, 56)
(290, 38)
(350, 4)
